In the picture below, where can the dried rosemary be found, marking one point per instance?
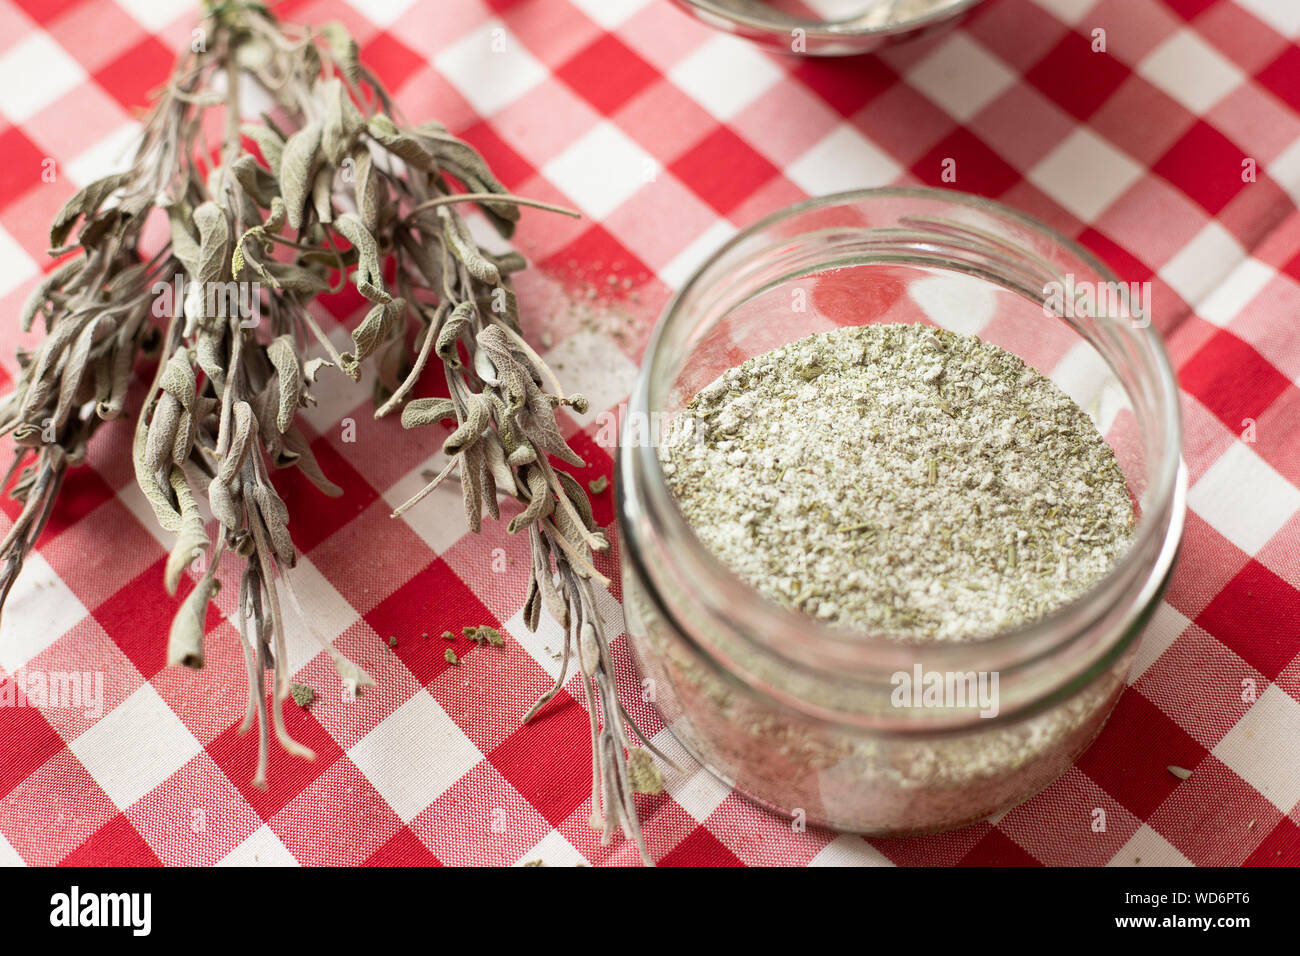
(337, 186)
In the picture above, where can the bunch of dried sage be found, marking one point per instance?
(336, 188)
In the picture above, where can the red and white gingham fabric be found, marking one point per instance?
(670, 136)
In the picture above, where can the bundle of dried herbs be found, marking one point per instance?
(336, 188)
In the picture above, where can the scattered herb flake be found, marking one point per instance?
(302, 694)
(484, 634)
(643, 774)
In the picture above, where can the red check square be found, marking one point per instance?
(288, 776)
(1076, 77)
(723, 170)
(1257, 615)
(607, 73)
(998, 849)
(701, 848)
(116, 843)
(1131, 756)
(975, 167)
(433, 601)
(134, 76)
(43, 11)
(1282, 77)
(26, 738)
(1206, 165)
(23, 165)
(1232, 379)
(1280, 848)
(139, 617)
(556, 786)
(391, 60)
(403, 849)
(846, 84)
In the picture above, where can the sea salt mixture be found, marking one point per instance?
(901, 479)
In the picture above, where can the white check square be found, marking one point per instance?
(1263, 748)
(490, 68)
(153, 15)
(725, 74)
(699, 793)
(1243, 498)
(1165, 627)
(33, 74)
(596, 368)
(428, 518)
(1190, 71)
(262, 848)
(1285, 170)
(683, 265)
(1282, 15)
(956, 302)
(849, 849)
(382, 13)
(339, 400)
(414, 755)
(1198, 268)
(610, 13)
(1148, 848)
(18, 265)
(842, 161)
(962, 77)
(1085, 174)
(40, 610)
(8, 855)
(1067, 11)
(313, 612)
(601, 170)
(112, 154)
(135, 747)
(1231, 296)
(553, 850)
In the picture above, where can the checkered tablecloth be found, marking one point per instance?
(670, 136)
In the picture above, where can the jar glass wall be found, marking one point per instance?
(800, 716)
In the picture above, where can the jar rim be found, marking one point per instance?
(1032, 639)
(773, 26)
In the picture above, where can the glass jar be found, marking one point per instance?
(802, 717)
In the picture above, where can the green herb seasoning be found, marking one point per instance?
(901, 479)
(484, 634)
